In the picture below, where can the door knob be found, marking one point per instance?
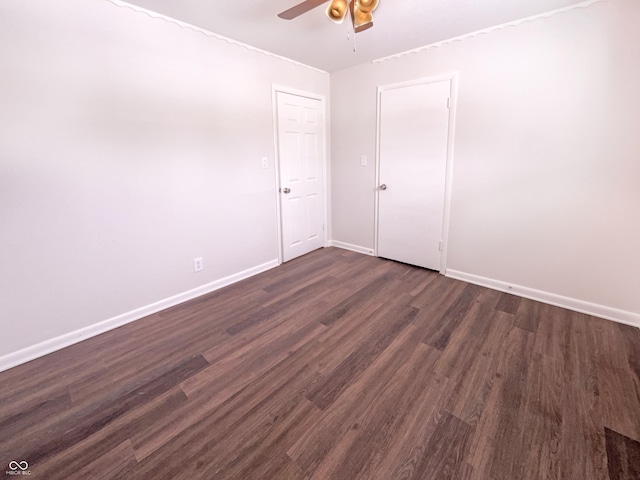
(286, 190)
(383, 187)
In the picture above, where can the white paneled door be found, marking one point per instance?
(413, 138)
(300, 148)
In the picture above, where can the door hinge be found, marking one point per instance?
(449, 102)
(440, 245)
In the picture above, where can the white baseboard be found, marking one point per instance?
(602, 311)
(48, 346)
(349, 246)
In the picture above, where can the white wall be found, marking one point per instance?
(128, 147)
(546, 181)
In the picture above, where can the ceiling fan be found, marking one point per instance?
(360, 11)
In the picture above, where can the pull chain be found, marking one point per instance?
(349, 28)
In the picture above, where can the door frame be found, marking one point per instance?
(275, 89)
(453, 79)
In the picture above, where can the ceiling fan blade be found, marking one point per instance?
(364, 27)
(301, 8)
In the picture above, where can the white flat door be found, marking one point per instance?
(300, 145)
(414, 131)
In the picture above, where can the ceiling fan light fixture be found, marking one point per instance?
(362, 18)
(337, 10)
(366, 6)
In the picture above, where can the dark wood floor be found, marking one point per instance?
(335, 366)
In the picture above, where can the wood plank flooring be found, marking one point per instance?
(335, 366)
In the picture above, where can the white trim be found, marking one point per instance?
(276, 163)
(275, 89)
(513, 23)
(376, 191)
(208, 33)
(48, 346)
(452, 78)
(602, 311)
(294, 91)
(448, 177)
(350, 246)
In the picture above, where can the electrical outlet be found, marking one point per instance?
(198, 264)
(363, 160)
(265, 162)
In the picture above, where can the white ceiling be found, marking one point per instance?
(313, 40)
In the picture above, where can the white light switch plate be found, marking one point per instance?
(198, 264)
